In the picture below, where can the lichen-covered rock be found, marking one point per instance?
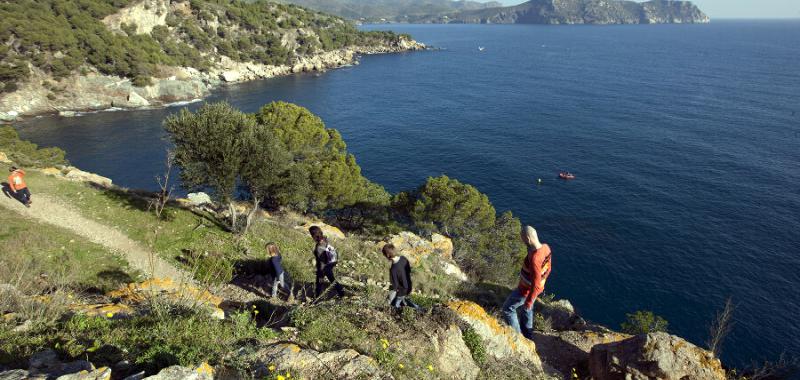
(453, 270)
(14, 374)
(180, 293)
(102, 373)
(75, 174)
(443, 244)
(45, 364)
(653, 356)
(454, 358)
(310, 364)
(501, 341)
(328, 230)
(108, 310)
(416, 248)
(202, 372)
(198, 199)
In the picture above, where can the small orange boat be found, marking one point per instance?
(566, 175)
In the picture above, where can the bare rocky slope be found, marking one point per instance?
(201, 45)
(583, 12)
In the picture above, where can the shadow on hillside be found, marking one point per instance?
(489, 296)
(8, 193)
(143, 201)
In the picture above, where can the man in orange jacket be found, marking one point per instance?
(532, 278)
(16, 181)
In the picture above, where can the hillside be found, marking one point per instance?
(582, 12)
(60, 55)
(107, 282)
(392, 11)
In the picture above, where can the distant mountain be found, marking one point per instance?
(581, 12)
(393, 10)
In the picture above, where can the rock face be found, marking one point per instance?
(653, 356)
(454, 358)
(199, 199)
(501, 341)
(416, 248)
(143, 16)
(311, 364)
(202, 372)
(584, 12)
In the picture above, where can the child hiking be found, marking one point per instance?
(400, 278)
(325, 257)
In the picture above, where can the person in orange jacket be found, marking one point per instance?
(535, 270)
(16, 181)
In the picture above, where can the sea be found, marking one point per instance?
(684, 139)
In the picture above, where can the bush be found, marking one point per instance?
(475, 344)
(644, 322)
(27, 154)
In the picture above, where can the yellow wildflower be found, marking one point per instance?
(280, 377)
(401, 366)
(271, 367)
(430, 368)
(110, 315)
(385, 343)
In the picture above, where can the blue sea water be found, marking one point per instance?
(684, 140)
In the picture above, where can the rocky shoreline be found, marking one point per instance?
(43, 95)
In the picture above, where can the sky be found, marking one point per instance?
(737, 8)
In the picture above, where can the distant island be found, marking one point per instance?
(531, 12)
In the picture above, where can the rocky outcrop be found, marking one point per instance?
(289, 358)
(328, 230)
(201, 372)
(416, 248)
(653, 356)
(74, 174)
(584, 12)
(95, 91)
(141, 16)
(454, 358)
(175, 292)
(502, 342)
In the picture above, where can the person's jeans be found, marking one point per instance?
(327, 271)
(280, 281)
(400, 301)
(515, 303)
(24, 195)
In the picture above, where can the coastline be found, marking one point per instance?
(94, 92)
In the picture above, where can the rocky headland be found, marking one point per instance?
(90, 89)
(602, 12)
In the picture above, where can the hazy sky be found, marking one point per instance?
(737, 8)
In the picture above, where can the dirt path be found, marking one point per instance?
(51, 211)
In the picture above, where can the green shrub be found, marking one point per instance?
(644, 322)
(27, 154)
(475, 344)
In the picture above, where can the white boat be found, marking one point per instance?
(480, 48)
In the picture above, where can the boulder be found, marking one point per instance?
(501, 341)
(230, 76)
(453, 270)
(443, 245)
(569, 350)
(454, 358)
(653, 356)
(202, 372)
(329, 231)
(4, 158)
(14, 374)
(75, 174)
(199, 199)
(103, 373)
(134, 100)
(302, 363)
(8, 116)
(46, 364)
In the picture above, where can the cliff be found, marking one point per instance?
(393, 10)
(154, 52)
(583, 12)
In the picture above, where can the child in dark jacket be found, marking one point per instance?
(400, 279)
(276, 269)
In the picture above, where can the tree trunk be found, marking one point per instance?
(251, 214)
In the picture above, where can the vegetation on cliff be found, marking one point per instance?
(392, 10)
(62, 37)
